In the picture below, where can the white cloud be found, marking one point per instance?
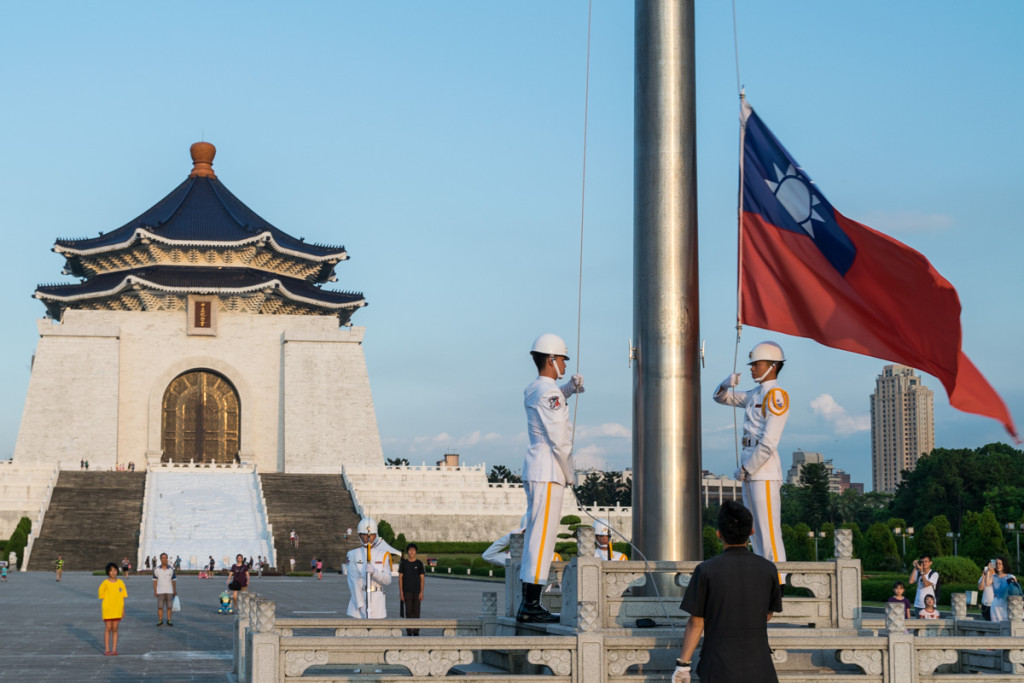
(608, 429)
(589, 456)
(908, 221)
(843, 423)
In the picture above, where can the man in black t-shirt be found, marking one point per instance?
(412, 577)
(731, 599)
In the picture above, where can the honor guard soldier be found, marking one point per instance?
(603, 542)
(500, 551)
(765, 411)
(369, 570)
(547, 470)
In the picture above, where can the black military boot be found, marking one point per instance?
(531, 611)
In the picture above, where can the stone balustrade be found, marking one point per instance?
(597, 640)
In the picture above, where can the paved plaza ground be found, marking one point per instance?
(52, 631)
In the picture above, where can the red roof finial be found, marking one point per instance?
(202, 160)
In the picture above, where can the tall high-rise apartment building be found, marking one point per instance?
(902, 425)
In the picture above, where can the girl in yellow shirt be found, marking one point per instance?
(112, 592)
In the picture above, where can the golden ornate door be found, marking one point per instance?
(200, 418)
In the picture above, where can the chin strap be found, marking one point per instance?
(761, 378)
(554, 364)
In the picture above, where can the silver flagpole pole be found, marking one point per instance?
(666, 381)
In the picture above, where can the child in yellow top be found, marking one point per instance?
(112, 592)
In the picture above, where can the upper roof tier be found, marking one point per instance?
(200, 213)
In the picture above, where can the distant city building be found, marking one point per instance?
(838, 480)
(902, 425)
(716, 488)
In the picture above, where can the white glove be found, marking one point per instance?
(732, 380)
(739, 475)
(577, 384)
(681, 675)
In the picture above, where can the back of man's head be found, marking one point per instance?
(734, 522)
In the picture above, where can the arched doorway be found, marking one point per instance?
(201, 418)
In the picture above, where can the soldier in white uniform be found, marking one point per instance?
(765, 411)
(603, 549)
(500, 551)
(547, 470)
(371, 558)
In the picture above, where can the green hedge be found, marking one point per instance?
(451, 547)
(19, 539)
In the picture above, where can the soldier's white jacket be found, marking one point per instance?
(765, 411)
(603, 553)
(378, 566)
(549, 456)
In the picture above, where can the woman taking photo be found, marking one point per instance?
(998, 577)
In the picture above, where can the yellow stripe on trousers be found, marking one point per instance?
(771, 523)
(544, 535)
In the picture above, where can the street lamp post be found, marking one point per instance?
(955, 537)
(1010, 526)
(815, 536)
(903, 533)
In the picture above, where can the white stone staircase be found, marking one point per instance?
(196, 513)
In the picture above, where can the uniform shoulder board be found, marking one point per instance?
(777, 401)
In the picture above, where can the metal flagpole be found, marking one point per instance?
(666, 381)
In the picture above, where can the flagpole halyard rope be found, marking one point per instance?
(739, 229)
(583, 206)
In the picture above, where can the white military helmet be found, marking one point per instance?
(769, 351)
(367, 526)
(550, 345)
(602, 528)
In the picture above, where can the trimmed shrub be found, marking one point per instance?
(956, 570)
(712, 546)
(453, 547)
(385, 531)
(18, 540)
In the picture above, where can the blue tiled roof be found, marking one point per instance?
(199, 280)
(200, 210)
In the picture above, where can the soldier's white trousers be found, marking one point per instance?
(544, 512)
(763, 501)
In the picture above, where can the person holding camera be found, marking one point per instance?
(925, 578)
(997, 575)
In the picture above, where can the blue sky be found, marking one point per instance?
(441, 143)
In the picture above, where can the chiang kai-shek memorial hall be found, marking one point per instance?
(199, 333)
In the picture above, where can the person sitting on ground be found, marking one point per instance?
(898, 589)
(929, 611)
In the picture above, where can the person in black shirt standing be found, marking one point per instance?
(412, 577)
(731, 599)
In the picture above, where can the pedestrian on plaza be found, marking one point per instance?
(293, 538)
(547, 469)
(213, 564)
(59, 567)
(3, 572)
(165, 589)
(766, 409)
(112, 592)
(87, 464)
(412, 578)
(126, 566)
(987, 594)
(147, 561)
(731, 599)
(929, 611)
(925, 578)
(291, 561)
(1000, 579)
(898, 589)
(177, 562)
(238, 579)
(319, 569)
(259, 566)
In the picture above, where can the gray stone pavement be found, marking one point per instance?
(52, 631)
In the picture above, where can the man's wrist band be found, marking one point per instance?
(680, 662)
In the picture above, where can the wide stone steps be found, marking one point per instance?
(320, 510)
(93, 518)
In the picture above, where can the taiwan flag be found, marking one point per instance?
(808, 271)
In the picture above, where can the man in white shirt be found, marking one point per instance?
(165, 589)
